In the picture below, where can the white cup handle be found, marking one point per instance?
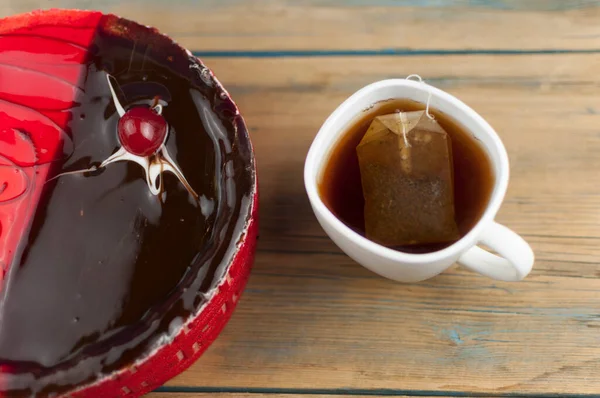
(515, 255)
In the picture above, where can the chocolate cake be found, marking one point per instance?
(126, 180)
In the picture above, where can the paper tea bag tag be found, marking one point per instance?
(405, 161)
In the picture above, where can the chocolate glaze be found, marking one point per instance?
(107, 267)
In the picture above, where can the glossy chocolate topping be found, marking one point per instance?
(107, 269)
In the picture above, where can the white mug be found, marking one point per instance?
(515, 257)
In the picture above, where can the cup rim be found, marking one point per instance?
(323, 142)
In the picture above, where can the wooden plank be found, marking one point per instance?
(313, 318)
(219, 25)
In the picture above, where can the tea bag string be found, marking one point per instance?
(404, 122)
(428, 88)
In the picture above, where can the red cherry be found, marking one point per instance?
(142, 131)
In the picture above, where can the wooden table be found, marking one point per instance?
(312, 322)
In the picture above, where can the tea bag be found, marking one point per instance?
(406, 171)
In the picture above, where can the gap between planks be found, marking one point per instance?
(385, 52)
(202, 392)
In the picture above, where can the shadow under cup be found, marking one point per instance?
(474, 178)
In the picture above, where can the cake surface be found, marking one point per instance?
(98, 267)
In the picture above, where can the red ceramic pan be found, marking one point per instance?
(46, 67)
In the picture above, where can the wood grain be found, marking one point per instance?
(219, 25)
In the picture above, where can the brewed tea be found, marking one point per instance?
(341, 190)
